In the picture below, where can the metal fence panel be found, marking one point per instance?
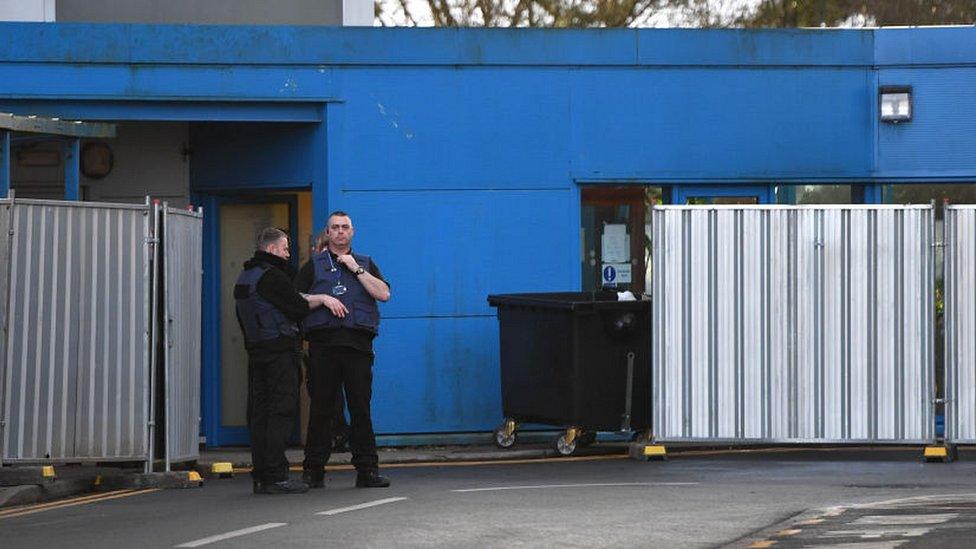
(960, 324)
(182, 264)
(76, 381)
(793, 324)
(4, 296)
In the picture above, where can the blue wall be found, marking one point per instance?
(459, 152)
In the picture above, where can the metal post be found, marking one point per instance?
(4, 163)
(167, 338)
(72, 168)
(152, 332)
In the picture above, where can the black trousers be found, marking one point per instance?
(272, 407)
(329, 369)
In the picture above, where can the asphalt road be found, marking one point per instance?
(688, 501)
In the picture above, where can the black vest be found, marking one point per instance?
(363, 312)
(260, 320)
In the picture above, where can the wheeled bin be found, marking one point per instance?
(578, 360)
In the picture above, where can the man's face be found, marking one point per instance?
(340, 230)
(280, 248)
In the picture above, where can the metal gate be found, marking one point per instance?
(960, 324)
(182, 248)
(795, 324)
(79, 310)
(76, 359)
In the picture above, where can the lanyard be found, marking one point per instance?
(337, 288)
(334, 269)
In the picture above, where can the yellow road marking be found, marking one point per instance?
(59, 502)
(30, 510)
(789, 532)
(810, 522)
(762, 544)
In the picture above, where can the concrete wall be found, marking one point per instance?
(219, 12)
(148, 159)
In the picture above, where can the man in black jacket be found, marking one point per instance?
(268, 310)
(340, 338)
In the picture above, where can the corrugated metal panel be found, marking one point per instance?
(960, 323)
(77, 353)
(183, 249)
(4, 296)
(793, 324)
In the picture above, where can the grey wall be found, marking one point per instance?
(148, 159)
(226, 12)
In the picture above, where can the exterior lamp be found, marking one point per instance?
(896, 104)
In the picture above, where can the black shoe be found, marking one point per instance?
(371, 480)
(313, 480)
(283, 487)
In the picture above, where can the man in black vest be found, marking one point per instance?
(268, 310)
(340, 336)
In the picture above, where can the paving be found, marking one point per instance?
(767, 498)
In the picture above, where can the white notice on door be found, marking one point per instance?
(616, 273)
(615, 243)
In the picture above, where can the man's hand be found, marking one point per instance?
(349, 261)
(334, 305)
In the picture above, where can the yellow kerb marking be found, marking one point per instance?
(762, 544)
(222, 468)
(194, 476)
(936, 451)
(47, 471)
(655, 450)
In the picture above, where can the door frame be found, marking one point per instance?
(681, 193)
(214, 431)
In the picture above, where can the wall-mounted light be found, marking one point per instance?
(895, 103)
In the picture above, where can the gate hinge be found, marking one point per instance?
(938, 244)
(151, 240)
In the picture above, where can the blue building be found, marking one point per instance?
(476, 162)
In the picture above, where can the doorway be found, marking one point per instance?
(615, 236)
(239, 220)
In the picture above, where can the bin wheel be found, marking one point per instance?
(503, 440)
(505, 433)
(564, 447)
(587, 438)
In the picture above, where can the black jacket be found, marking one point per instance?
(277, 287)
